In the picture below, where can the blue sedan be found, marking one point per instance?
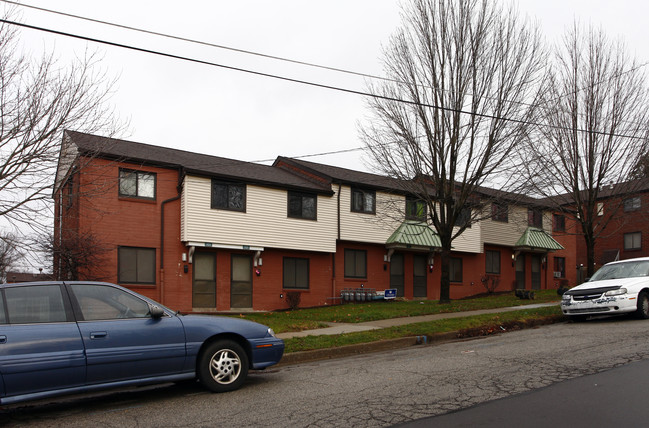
(70, 337)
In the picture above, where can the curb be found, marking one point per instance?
(364, 348)
(404, 342)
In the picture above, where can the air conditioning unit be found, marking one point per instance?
(557, 274)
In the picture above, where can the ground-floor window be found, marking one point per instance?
(560, 267)
(296, 273)
(633, 241)
(355, 263)
(136, 265)
(455, 268)
(492, 262)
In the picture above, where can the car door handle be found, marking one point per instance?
(98, 334)
(3, 339)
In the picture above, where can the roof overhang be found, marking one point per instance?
(414, 236)
(535, 240)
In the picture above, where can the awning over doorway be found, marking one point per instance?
(414, 235)
(536, 240)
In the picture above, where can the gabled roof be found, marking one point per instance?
(414, 235)
(620, 190)
(334, 174)
(192, 163)
(537, 239)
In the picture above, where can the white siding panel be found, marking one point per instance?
(469, 240)
(360, 227)
(264, 224)
(499, 233)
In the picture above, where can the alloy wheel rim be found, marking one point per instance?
(225, 366)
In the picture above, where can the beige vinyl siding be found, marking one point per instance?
(371, 228)
(469, 240)
(264, 224)
(500, 233)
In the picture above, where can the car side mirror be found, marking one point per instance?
(156, 311)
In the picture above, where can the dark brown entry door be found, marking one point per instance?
(204, 282)
(396, 273)
(419, 276)
(520, 271)
(241, 281)
(536, 272)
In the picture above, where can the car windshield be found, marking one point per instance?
(622, 270)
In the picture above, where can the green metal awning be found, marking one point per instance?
(536, 240)
(414, 235)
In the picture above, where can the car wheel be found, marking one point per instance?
(223, 366)
(643, 306)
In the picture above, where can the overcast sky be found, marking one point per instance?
(232, 114)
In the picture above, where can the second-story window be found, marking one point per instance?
(302, 205)
(415, 209)
(535, 218)
(558, 223)
(363, 201)
(228, 196)
(137, 184)
(464, 219)
(632, 204)
(500, 212)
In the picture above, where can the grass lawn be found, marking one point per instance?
(306, 319)
(478, 324)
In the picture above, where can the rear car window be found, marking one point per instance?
(35, 304)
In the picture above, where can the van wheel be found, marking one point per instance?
(223, 366)
(643, 306)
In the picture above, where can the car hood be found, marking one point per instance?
(218, 324)
(609, 284)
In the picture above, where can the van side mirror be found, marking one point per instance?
(156, 311)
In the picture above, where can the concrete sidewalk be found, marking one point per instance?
(340, 328)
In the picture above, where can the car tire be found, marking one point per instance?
(223, 366)
(643, 306)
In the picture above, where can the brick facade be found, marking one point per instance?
(88, 203)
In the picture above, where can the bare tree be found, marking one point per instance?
(595, 122)
(75, 256)
(39, 98)
(463, 78)
(9, 254)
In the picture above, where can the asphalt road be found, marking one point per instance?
(380, 389)
(615, 397)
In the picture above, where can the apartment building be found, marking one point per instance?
(203, 233)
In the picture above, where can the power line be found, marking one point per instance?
(257, 73)
(303, 82)
(200, 42)
(259, 54)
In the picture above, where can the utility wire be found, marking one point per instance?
(200, 42)
(303, 82)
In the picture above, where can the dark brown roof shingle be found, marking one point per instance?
(193, 163)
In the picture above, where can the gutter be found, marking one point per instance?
(181, 176)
